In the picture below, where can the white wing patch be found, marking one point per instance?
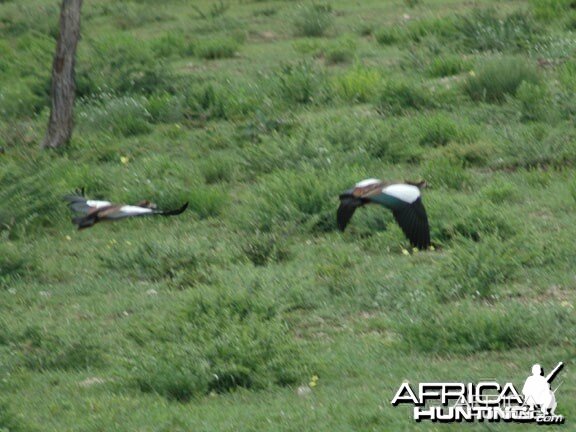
(403, 192)
(367, 182)
(134, 210)
(98, 204)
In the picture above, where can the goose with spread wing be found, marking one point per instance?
(404, 199)
(91, 212)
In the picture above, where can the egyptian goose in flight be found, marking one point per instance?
(404, 199)
(93, 211)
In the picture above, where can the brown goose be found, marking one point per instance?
(94, 211)
(404, 199)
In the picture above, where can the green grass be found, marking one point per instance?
(259, 113)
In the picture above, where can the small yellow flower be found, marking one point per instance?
(405, 252)
(415, 249)
(313, 381)
(124, 159)
(68, 238)
(432, 248)
(472, 73)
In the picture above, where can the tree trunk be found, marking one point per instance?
(63, 85)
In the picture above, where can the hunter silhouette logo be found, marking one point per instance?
(485, 401)
(537, 390)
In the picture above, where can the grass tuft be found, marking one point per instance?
(471, 328)
(484, 30)
(216, 48)
(500, 77)
(313, 20)
(395, 97)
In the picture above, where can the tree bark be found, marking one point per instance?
(63, 85)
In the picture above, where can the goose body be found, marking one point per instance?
(403, 199)
(91, 212)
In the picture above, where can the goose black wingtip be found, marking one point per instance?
(348, 205)
(177, 211)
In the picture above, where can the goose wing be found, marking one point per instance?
(413, 220)
(125, 211)
(174, 212)
(79, 204)
(348, 205)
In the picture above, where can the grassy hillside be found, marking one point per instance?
(260, 113)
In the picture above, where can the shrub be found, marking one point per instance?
(476, 268)
(337, 272)
(548, 10)
(299, 82)
(264, 248)
(216, 48)
(395, 97)
(537, 146)
(122, 64)
(175, 262)
(176, 372)
(358, 84)
(125, 116)
(567, 75)
(219, 168)
(11, 422)
(357, 133)
(172, 44)
(389, 35)
(17, 99)
(214, 101)
(499, 192)
(499, 77)
(412, 3)
(131, 14)
(430, 30)
(225, 340)
(19, 19)
(417, 31)
(467, 327)
(43, 351)
(208, 102)
(471, 220)
(266, 12)
(265, 123)
(29, 193)
(313, 20)
(215, 11)
(14, 264)
(446, 173)
(297, 198)
(276, 153)
(165, 108)
(535, 102)
(484, 30)
(208, 201)
(438, 130)
(340, 51)
(447, 65)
